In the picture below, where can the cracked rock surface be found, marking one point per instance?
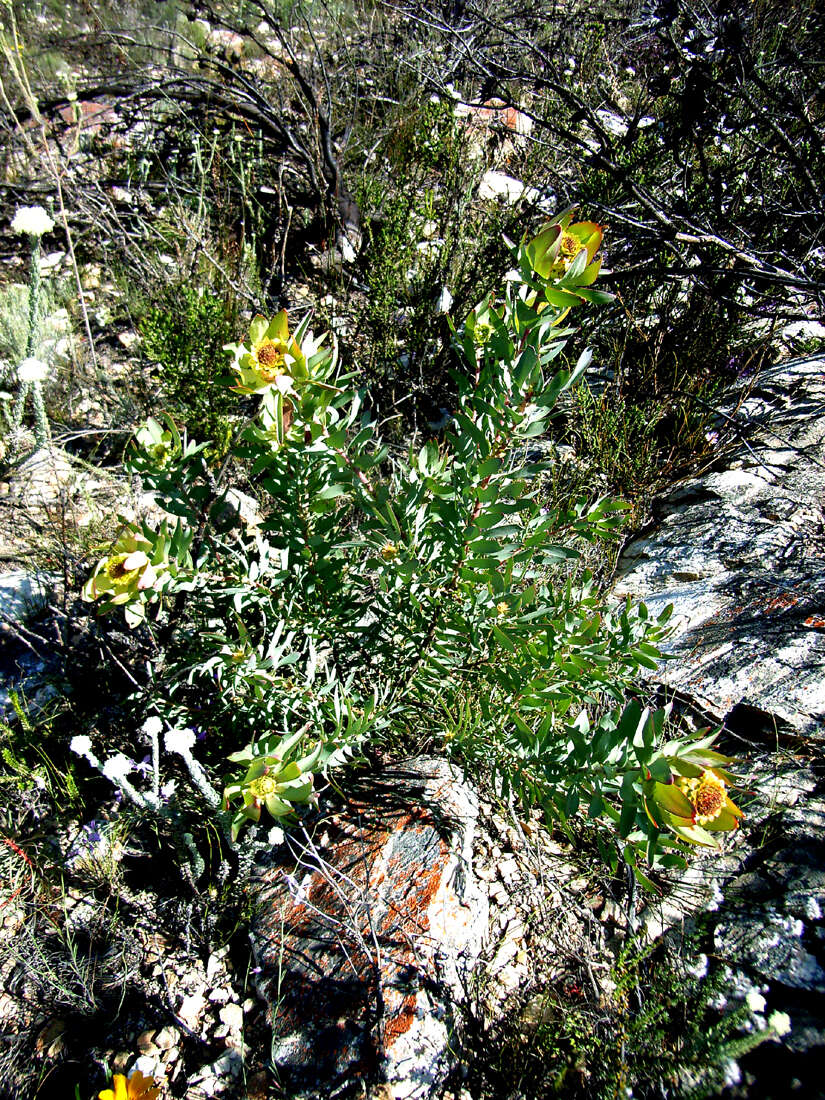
(740, 553)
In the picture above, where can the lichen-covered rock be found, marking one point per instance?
(740, 552)
(365, 934)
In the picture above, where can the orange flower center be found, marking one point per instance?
(706, 794)
(709, 802)
(270, 358)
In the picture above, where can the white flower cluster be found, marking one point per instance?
(117, 768)
(153, 726)
(32, 220)
(180, 741)
(32, 370)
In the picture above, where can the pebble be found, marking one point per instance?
(508, 871)
(146, 1043)
(191, 1009)
(166, 1038)
(149, 1065)
(232, 1017)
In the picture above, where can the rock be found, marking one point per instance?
(498, 185)
(23, 593)
(166, 1038)
(365, 944)
(232, 1017)
(150, 1065)
(146, 1043)
(740, 553)
(191, 1009)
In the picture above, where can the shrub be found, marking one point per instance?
(184, 333)
(375, 588)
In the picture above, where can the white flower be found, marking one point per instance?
(82, 745)
(32, 370)
(168, 789)
(180, 741)
(117, 767)
(32, 220)
(780, 1023)
(755, 1001)
(152, 726)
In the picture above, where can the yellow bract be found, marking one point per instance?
(136, 1087)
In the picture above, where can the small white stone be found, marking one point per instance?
(232, 1017)
(191, 1009)
(148, 1064)
(166, 1038)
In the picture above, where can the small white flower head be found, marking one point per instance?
(168, 789)
(82, 745)
(180, 741)
(153, 726)
(755, 1001)
(117, 767)
(32, 370)
(779, 1023)
(32, 220)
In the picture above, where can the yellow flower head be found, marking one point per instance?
(502, 609)
(126, 573)
(264, 787)
(695, 806)
(135, 1087)
(389, 551)
(272, 358)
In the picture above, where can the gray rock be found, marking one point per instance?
(740, 553)
(23, 593)
(366, 935)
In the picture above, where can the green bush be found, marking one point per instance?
(375, 588)
(184, 333)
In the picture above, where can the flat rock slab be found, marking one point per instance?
(366, 933)
(740, 553)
